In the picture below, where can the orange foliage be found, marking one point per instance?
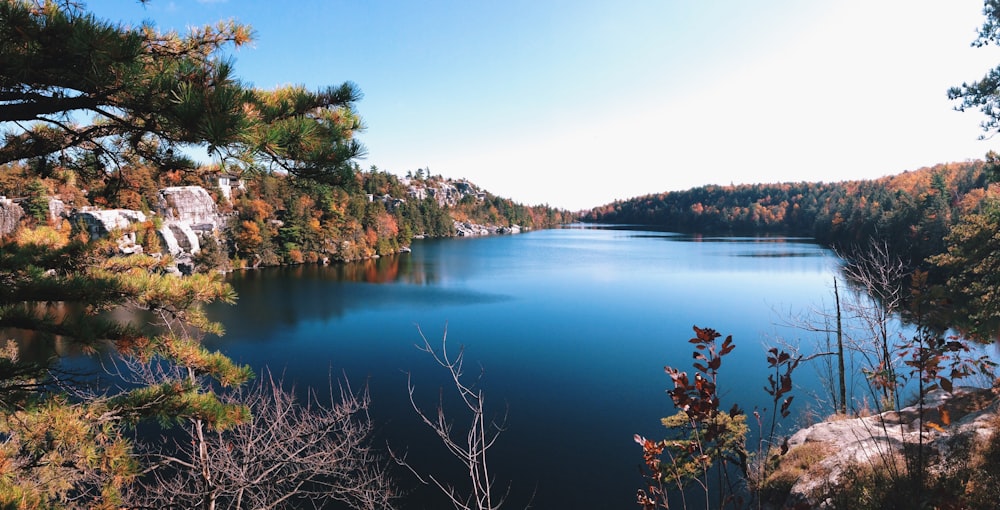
(386, 225)
(304, 205)
(248, 237)
(259, 210)
(315, 225)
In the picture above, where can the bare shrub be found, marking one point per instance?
(292, 453)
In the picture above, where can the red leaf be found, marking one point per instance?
(715, 363)
(728, 341)
(946, 384)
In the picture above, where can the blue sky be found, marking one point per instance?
(576, 103)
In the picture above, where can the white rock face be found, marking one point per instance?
(188, 204)
(57, 209)
(101, 222)
(467, 229)
(186, 211)
(10, 215)
(179, 238)
(446, 192)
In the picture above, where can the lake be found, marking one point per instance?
(571, 328)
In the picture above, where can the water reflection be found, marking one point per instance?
(41, 347)
(270, 300)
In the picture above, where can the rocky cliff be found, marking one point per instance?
(468, 229)
(187, 212)
(446, 192)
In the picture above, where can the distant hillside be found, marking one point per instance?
(911, 211)
(273, 219)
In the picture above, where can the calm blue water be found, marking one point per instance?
(570, 327)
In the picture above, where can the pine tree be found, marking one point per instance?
(74, 87)
(37, 203)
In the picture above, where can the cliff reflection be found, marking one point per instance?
(40, 347)
(402, 268)
(280, 298)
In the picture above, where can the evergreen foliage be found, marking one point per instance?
(106, 95)
(37, 203)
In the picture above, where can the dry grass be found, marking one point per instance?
(774, 477)
(982, 490)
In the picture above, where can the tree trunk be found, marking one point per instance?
(840, 351)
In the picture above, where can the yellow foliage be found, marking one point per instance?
(54, 449)
(43, 235)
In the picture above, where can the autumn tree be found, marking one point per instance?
(970, 259)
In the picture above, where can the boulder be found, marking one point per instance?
(101, 222)
(948, 419)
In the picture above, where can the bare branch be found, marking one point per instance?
(293, 453)
(470, 446)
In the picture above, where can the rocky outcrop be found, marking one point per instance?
(57, 209)
(99, 223)
(179, 238)
(187, 212)
(948, 419)
(10, 215)
(446, 192)
(467, 229)
(189, 204)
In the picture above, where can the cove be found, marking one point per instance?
(571, 329)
